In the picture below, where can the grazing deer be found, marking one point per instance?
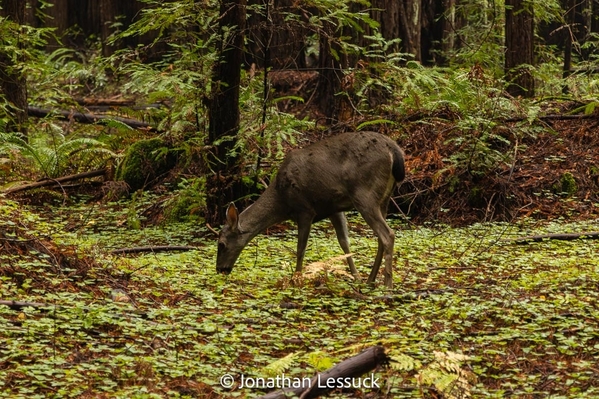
(348, 171)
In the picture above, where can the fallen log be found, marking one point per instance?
(338, 376)
(87, 118)
(591, 235)
(59, 180)
(154, 248)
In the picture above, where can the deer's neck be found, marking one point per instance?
(269, 209)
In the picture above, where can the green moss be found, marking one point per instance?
(144, 161)
(567, 185)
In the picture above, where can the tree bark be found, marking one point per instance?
(387, 14)
(447, 25)
(12, 81)
(225, 185)
(519, 43)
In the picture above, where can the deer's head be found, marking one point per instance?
(231, 242)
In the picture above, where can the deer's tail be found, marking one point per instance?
(399, 169)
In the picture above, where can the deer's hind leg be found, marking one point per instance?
(375, 217)
(340, 224)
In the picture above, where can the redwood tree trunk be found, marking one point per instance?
(519, 43)
(225, 184)
(410, 22)
(12, 82)
(275, 40)
(333, 103)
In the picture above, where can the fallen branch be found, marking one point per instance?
(155, 248)
(592, 235)
(336, 376)
(45, 307)
(87, 118)
(113, 102)
(17, 305)
(59, 180)
(555, 117)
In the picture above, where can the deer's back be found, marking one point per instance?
(331, 175)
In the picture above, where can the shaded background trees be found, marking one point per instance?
(12, 80)
(343, 51)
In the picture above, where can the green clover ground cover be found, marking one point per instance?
(521, 320)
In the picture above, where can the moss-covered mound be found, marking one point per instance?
(144, 162)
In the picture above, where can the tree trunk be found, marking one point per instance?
(58, 17)
(276, 41)
(225, 184)
(12, 81)
(410, 26)
(333, 103)
(447, 25)
(386, 13)
(519, 43)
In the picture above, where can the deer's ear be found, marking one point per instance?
(233, 217)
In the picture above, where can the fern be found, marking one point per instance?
(374, 122)
(447, 374)
(279, 366)
(55, 157)
(332, 265)
(402, 362)
(113, 123)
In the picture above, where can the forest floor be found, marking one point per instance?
(473, 313)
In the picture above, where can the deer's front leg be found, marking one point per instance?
(303, 232)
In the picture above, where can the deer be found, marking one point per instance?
(357, 170)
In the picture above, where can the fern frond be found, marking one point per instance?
(279, 366)
(447, 375)
(374, 122)
(402, 362)
(331, 265)
(113, 123)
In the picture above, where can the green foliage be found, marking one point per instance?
(188, 201)
(480, 35)
(469, 98)
(182, 77)
(53, 154)
(270, 140)
(448, 375)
